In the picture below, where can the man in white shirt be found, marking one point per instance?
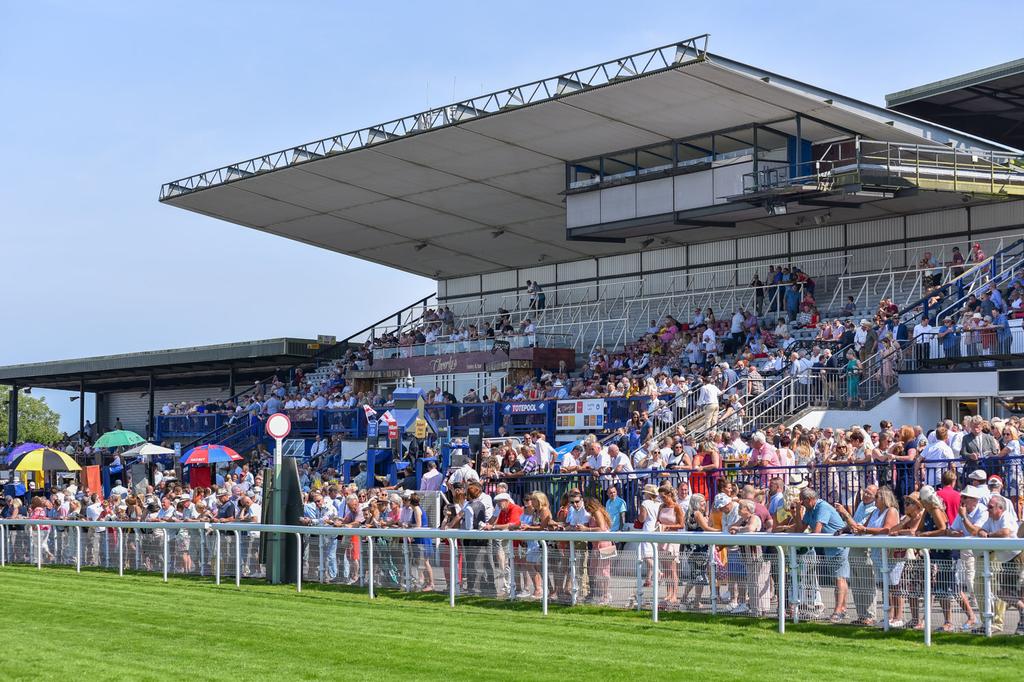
(707, 400)
(431, 479)
(619, 460)
(119, 489)
(935, 458)
(972, 515)
(923, 335)
(736, 327)
(709, 341)
(464, 474)
(545, 453)
(570, 460)
(597, 461)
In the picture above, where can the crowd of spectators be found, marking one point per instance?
(956, 480)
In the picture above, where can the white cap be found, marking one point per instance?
(502, 496)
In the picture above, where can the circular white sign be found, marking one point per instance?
(279, 425)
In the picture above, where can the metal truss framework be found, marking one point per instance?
(636, 65)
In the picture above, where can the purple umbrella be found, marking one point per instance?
(21, 450)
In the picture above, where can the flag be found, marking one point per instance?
(388, 419)
(503, 346)
(370, 412)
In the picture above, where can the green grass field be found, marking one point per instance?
(100, 626)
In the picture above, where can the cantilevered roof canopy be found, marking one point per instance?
(988, 103)
(477, 186)
(175, 368)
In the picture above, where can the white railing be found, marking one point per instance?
(788, 570)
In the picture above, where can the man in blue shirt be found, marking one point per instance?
(821, 517)
(949, 339)
(616, 508)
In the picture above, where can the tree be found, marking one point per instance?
(36, 421)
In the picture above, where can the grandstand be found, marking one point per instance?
(652, 185)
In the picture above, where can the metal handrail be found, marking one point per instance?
(721, 539)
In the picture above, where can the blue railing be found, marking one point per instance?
(835, 483)
(516, 418)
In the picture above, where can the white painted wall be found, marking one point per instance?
(897, 409)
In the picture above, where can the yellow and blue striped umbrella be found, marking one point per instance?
(46, 459)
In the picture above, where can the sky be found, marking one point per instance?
(104, 102)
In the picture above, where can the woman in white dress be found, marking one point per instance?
(647, 519)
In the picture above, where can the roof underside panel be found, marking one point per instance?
(988, 103)
(484, 194)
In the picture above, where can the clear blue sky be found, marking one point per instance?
(103, 102)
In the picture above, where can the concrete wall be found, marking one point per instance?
(897, 409)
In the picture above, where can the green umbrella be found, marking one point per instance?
(117, 439)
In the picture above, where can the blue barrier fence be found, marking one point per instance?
(517, 418)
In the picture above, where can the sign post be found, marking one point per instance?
(278, 427)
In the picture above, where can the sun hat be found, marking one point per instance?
(502, 496)
(975, 491)
(721, 500)
(651, 489)
(978, 475)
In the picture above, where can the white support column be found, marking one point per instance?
(927, 606)
(453, 570)
(216, 572)
(794, 582)
(166, 552)
(713, 580)
(655, 587)
(238, 559)
(78, 550)
(120, 550)
(781, 586)
(298, 561)
(573, 590)
(544, 575)
(369, 544)
(986, 576)
(885, 589)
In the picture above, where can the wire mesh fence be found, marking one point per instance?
(953, 590)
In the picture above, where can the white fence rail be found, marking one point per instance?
(781, 575)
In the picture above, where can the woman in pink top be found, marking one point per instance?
(40, 533)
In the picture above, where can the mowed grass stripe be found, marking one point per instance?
(98, 624)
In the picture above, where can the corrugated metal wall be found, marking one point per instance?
(132, 407)
(997, 215)
(624, 264)
(712, 252)
(939, 222)
(868, 259)
(768, 249)
(817, 239)
(662, 259)
(761, 246)
(874, 231)
(660, 283)
(542, 274)
(460, 286)
(497, 281)
(579, 269)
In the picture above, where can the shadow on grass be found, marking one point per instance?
(316, 589)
